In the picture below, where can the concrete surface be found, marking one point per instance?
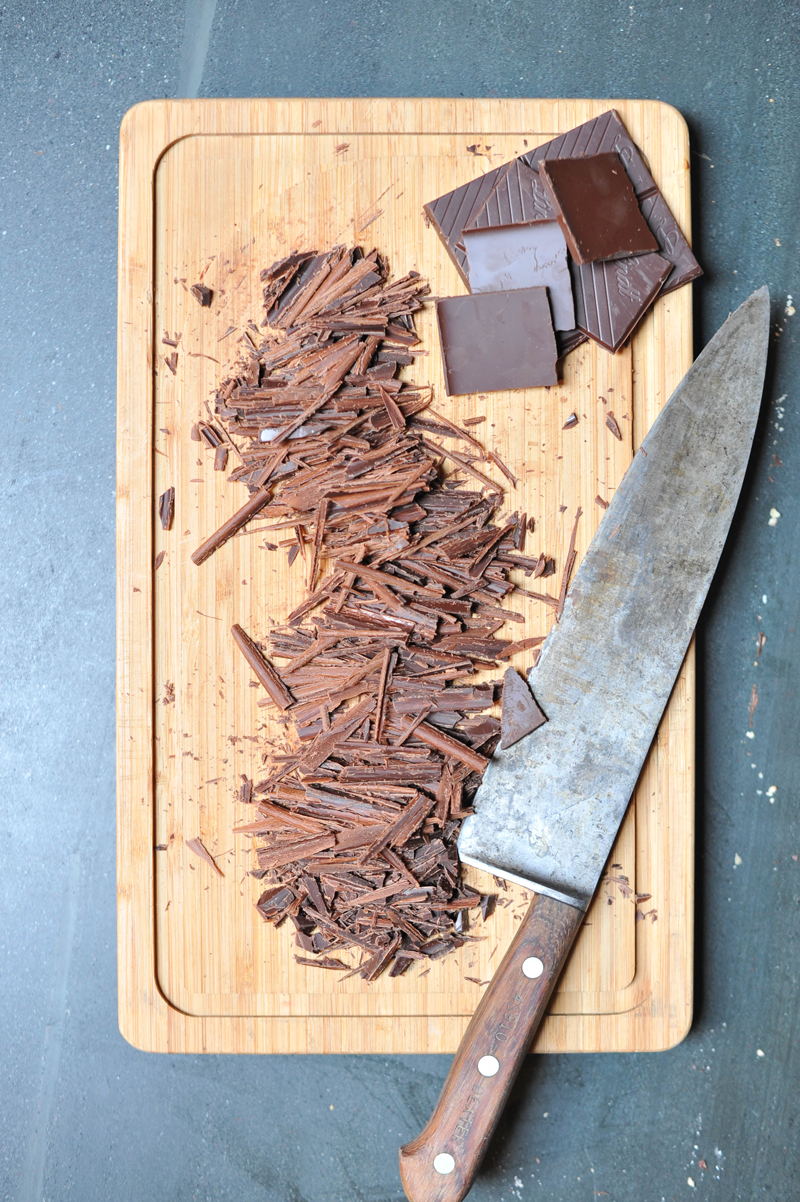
(82, 1115)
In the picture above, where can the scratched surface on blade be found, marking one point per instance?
(548, 809)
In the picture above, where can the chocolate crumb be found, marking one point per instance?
(203, 294)
(613, 425)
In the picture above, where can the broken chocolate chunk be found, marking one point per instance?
(203, 294)
(521, 714)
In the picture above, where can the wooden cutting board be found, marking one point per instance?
(219, 189)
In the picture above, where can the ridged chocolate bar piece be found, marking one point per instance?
(518, 198)
(607, 132)
(671, 242)
(612, 298)
(453, 212)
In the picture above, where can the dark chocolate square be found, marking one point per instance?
(494, 341)
(596, 207)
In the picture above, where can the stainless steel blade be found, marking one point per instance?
(548, 809)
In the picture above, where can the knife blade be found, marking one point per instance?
(548, 809)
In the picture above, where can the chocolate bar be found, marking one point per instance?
(497, 340)
(607, 132)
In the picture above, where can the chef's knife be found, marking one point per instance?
(548, 809)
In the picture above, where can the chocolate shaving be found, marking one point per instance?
(613, 425)
(568, 566)
(196, 845)
(262, 668)
(257, 501)
(357, 814)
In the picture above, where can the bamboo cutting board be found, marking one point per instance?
(224, 187)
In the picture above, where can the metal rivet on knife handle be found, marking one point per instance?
(532, 967)
(488, 1066)
(444, 1163)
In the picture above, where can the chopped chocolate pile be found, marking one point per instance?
(387, 731)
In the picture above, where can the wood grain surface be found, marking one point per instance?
(220, 189)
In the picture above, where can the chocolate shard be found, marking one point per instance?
(273, 903)
(521, 714)
(568, 340)
(453, 212)
(607, 132)
(612, 298)
(571, 421)
(262, 668)
(203, 294)
(523, 256)
(166, 508)
(613, 425)
(517, 198)
(242, 516)
(596, 207)
(497, 340)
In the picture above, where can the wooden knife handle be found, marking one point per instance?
(441, 1163)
